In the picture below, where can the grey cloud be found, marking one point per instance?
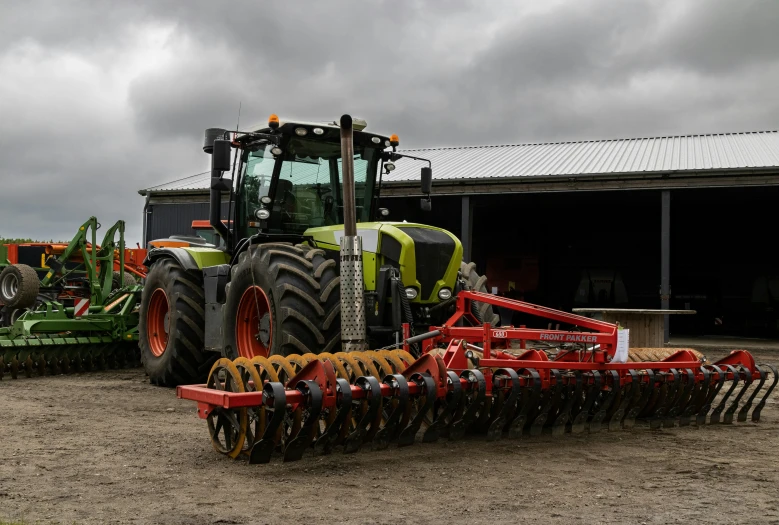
(86, 121)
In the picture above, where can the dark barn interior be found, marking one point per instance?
(545, 247)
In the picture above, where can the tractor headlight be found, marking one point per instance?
(411, 293)
(265, 199)
(276, 151)
(262, 214)
(444, 294)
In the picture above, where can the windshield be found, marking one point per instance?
(308, 190)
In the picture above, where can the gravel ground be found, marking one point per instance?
(108, 447)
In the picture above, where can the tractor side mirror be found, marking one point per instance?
(220, 158)
(426, 204)
(426, 175)
(221, 183)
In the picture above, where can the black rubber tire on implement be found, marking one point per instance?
(478, 283)
(23, 293)
(129, 280)
(184, 359)
(8, 316)
(302, 290)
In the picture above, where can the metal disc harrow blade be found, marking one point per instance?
(42, 357)
(317, 404)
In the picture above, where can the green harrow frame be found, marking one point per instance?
(61, 332)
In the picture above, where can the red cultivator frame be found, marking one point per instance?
(468, 379)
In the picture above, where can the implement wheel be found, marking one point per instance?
(117, 283)
(19, 286)
(171, 326)
(282, 300)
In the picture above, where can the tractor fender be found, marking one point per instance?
(181, 256)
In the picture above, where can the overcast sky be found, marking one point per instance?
(100, 99)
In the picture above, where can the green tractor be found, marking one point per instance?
(275, 285)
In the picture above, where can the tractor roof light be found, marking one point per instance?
(273, 121)
(301, 132)
(394, 140)
(276, 151)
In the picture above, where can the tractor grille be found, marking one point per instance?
(433, 251)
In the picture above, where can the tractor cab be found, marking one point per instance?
(290, 177)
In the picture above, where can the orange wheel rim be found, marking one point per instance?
(253, 324)
(158, 322)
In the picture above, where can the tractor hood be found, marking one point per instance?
(428, 257)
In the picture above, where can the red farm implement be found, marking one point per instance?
(470, 377)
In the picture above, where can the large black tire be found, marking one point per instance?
(300, 289)
(19, 286)
(116, 283)
(478, 283)
(176, 356)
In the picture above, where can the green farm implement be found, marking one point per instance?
(72, 313)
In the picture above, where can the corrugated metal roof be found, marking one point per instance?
(199, 181)
(656, 154)
(725, 151)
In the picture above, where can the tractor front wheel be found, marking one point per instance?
(282, 300)
(171, 326)
(478, 283)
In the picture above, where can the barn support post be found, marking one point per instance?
(466, 227)
(665, 258)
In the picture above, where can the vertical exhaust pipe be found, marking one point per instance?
(353, 329)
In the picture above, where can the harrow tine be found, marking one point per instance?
(665, 394)
(537, 426)
(263, 449)
(530, 398)
(407, 435)
(742, 414)
(681, 400)
(560, 424)
(711, 394)
(761, 404)
(325, 442)
(730, 412)
(606, 400)
(580, 420)
(628, 396)
(473, 401)
(398, 404)
(302, 439)
(498, 423)
(641, 397)
(368, 424)
(715, 415)
(697, 397)
(453, 405)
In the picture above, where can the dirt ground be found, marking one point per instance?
(110, 448)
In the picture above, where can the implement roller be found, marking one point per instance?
(462, 376)
(468, 380)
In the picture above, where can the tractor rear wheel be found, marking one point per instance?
(282, 300)
(19, 286)
(171, 326)
(478, 283)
